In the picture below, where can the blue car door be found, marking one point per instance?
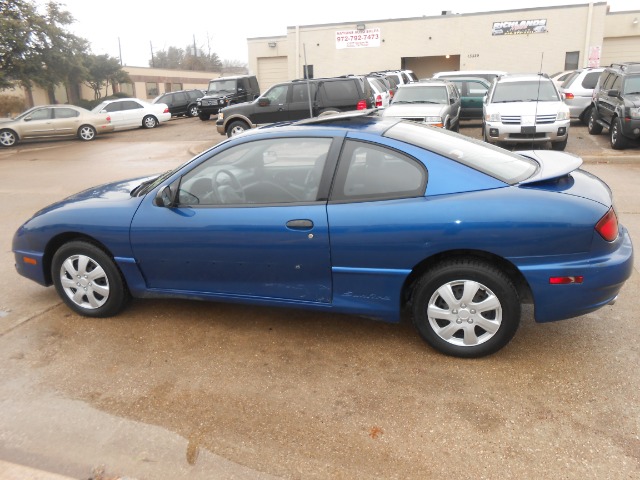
(246, 223)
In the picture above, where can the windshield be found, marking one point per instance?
(422, 94)
(632, 85)
(525, 91)
(221, 87)
(489, 159)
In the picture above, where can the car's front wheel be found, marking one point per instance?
(204, 116)
(8, 138)
(236, 128)
(192, 111)
(466, 308)
(560, 146)
(618, 141)
(149, 121)
(86, 133)
(87, 280)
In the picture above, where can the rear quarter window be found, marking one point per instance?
(341, 91)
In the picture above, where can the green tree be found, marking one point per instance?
(187, 59)
(36, 48)
(102, 70)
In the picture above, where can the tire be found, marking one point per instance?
(8, 138)
(584, 116)
(618, 140)
(149, 121)
(236, 128)
(87, 280)
(192, 111)
(466, 327)
(87, 133)
(593, 126)
(204, 116)
(559, 146)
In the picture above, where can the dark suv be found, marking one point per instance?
(181, 102)
(225, 91)
(616, 104)
(290, 101)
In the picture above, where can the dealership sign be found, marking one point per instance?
(358, 38)
(519, 27)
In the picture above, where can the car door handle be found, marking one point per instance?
(300, 224)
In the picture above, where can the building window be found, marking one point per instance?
(176, 86)
(152, 89)
(127, 88)
(571, 60)
(308, 71)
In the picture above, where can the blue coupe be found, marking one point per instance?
(354, 214)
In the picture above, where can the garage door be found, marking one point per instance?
(617, 50)
(271, 70)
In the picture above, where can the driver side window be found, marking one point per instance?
(263, 172)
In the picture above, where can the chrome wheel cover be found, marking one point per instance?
(84, 281)
(464, 313)
(236, 131)
(87, 133)
(149, 122)
(7, 139)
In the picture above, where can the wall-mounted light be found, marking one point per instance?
(446, 56)
(272, 44)
(361, 27)
(635, 21)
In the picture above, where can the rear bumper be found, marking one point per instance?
(603, 276)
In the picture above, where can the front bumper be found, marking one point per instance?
(631, 127)
(516, 133)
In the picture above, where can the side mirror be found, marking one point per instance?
(264, 102)
(163, 198)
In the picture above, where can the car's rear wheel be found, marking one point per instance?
(204, 116)
(86, 133)
(593, 126)
(618, 141)
(8, 138)
(466, 308)
(192, 111)
(87, 280)
(236, 128)
(149, 121)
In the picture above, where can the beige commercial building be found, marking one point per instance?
(549, 39)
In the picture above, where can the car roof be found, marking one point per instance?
(435, 82)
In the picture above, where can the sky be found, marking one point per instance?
(131, 29)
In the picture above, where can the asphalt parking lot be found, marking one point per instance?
(189, 390)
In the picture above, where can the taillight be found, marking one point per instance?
(362, 105)
(391, 93)
(166, 110)
(568, 95)
(379, 101)
(108, 118)
(607, 227)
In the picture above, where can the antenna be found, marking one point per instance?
(535, 114)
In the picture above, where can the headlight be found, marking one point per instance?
(563, 116)
(433, 119)
(220, 115)
(634, 112)
(492, 117)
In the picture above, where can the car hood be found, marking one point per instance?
(527, 108)
(634, 99)
(415, 110)
(100, 196)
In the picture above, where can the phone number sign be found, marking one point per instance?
(358, 38)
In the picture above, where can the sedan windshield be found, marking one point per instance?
(525, 91)
(491, 160)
